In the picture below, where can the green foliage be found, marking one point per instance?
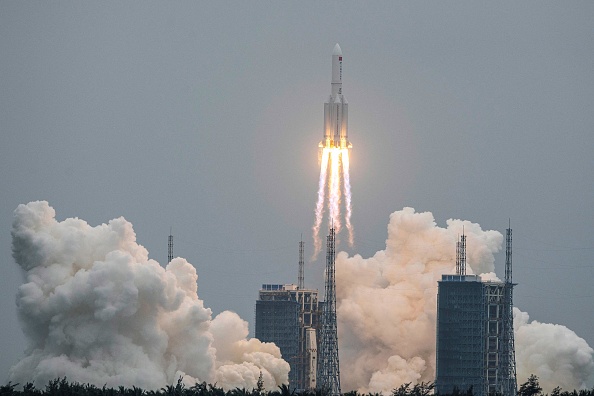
(403, 390)
(61, 387)
(556, 391)
(530, 387)
(286, 391)
(8, 389)
(29, 390)
(422, 389)
(260, 384)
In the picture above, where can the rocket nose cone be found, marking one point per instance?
(337, 50)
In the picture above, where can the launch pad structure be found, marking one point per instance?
(304, 328)
(288, 316)
(328, 364)
(475, 339)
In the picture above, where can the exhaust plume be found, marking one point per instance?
(97, 310)
(387, 309)
(334, 170)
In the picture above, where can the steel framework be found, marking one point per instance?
(306, 361)
(508, 355)
(328, 365)
(170, 248)
(461, 256)
(300, 280)
(475, 338)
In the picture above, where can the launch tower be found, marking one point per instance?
(475, 346)
(288, 315)
(328, 365)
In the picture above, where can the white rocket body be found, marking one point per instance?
(336, 109)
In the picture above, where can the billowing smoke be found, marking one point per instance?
(95, 309)
(387, 310)
(553, 352)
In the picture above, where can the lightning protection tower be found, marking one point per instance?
(461, 255)
(170, 247)
(508, 355)
(300, 280)
(328, 366)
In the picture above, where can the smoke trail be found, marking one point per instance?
(97, 310)
(347, 194)
(320, 203)
(386, 307)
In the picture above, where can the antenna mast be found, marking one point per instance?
(509, 352)
(457, 257)
(461, 255)
(170, 246)
(508, 254)
(300, 280)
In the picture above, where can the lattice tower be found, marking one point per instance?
(170, 248)
(457, 257)
(328, 365)
(300, 280)
(461, 256)
(509, 384)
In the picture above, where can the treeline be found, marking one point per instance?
(61, 387)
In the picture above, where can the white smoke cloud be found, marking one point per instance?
(554, 353)
(96, 310)
(239, 360)
(387, 308)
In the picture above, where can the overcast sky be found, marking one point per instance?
(205, 117)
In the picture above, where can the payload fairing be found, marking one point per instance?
(336, 109)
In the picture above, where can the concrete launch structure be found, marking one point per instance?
(475, 339)
(288, 316)
(336, 109)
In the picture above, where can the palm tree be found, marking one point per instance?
(530, 387)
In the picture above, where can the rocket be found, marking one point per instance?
(336, 109)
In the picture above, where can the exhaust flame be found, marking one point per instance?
(337, 159)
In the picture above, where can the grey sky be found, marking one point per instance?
(205, 116)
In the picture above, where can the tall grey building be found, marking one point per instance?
(475, 340)
(288, 316)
